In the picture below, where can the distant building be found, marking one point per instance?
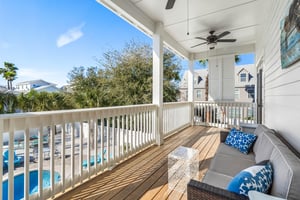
(38, 85)
(244, 84)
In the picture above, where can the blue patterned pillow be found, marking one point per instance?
(257, 177)
(240, 140)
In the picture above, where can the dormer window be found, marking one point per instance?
(243, 77)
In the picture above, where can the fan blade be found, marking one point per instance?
(199, 44)
(170, 4)
(201, 38)
(223, 34)
(227, 40)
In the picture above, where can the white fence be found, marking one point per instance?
(176, 116)
(224, 114)
(79, 145)
(75, 145)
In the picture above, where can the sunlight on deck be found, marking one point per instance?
(145, 176)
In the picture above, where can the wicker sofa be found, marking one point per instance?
(228, 162)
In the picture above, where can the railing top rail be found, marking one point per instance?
(225, 102)
(76, 111)
(177, 103)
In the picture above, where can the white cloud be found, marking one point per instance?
(70, 36)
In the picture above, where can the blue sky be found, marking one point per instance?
(45, 39)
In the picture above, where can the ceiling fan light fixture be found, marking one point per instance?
(212, 45)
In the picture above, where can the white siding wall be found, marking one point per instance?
(281, 86)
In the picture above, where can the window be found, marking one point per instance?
(243, 77)
(251, 93)
(237, 93)
(198, 93)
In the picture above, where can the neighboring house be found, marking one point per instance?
(199, 85)
(245, 80)
(38, 85)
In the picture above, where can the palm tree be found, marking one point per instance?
(8, 102)
(237, 59)
(9, 73)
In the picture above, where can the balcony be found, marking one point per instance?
(94, 151)
(109, 152)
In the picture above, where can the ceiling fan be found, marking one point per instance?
(212, 39)
(170, 4)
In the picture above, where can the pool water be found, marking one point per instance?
(33, 184)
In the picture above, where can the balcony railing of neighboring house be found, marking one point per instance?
(224, 114)
(176, 116)
(83, 143)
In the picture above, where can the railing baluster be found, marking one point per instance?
(72, 155)
(108, 140)
(26, 161)
(123, 137)
(40, 160)
(95, 128)
(62, 155)
(113, 142)
(118, 138)
(102, 141)
(52, 169)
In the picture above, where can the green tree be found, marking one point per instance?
(9, 73)
(123, 78)
(34, 101)
(89, 87)
(8, 102)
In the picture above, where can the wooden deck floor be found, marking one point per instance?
(145, 176)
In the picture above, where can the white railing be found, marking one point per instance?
(75, 144)
(224, 114)
(176, 116)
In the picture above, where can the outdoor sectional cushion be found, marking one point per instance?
(240, 140)
(257, 177)
(260, 131)
(217, 179)
(227, 150)
(229, 165)
(286, 176)
(265, 145)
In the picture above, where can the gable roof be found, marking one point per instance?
(35, 81)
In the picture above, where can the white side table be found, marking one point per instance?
(254, 195)
(183, 165)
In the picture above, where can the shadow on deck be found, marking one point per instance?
(145, 176)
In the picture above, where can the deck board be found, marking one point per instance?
(145, 176)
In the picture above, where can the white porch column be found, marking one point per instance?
(191, 88)
(157, 87)
(221, 78)
(191, 81)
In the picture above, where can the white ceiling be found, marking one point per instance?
(241, 17)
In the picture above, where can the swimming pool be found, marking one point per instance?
(33, 186)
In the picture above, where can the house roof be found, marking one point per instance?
(34, 81)
(46, 87)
